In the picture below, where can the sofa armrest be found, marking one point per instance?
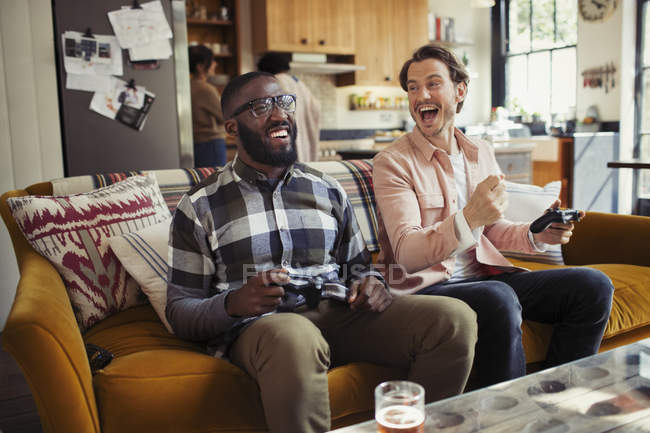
(42, 335)
(609, 238)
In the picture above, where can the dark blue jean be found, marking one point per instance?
(577, 301)
(210, 153)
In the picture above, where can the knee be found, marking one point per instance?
(453, 317)
(296, 340)
(497, 305)
(596, 287)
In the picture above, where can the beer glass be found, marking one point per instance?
(399, 407)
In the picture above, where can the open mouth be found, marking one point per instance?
(279, 133)
(428, 112)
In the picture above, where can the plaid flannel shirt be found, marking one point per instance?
(237, 223)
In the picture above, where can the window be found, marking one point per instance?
(642, 150)
(540, 59)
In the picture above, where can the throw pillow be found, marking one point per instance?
(525, 204)
(144, 255)
(72, 232)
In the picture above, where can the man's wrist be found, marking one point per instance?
(227, 304)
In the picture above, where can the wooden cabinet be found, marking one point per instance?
(559, 169)
(209, 26)
(387, 32)
(410, 31)
(374, 42)
(313, 26)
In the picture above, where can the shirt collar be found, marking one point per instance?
(429, 150)
(250, 174)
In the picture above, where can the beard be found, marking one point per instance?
(260, 149)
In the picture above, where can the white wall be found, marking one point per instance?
(30, 139)
(599, 43)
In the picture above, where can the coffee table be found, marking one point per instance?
(607, 392)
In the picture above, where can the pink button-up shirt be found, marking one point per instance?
(416, 199)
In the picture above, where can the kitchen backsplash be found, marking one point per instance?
(323, 89)
(335, 106)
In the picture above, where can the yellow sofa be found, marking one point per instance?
(160, 383)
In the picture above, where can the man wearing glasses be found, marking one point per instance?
(238, 238)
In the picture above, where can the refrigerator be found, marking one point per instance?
(93, 143)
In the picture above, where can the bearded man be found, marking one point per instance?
(238, 237)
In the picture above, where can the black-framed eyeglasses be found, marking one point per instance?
(260, 107)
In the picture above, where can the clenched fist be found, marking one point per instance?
(487, 203)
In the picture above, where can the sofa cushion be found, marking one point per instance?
(355, 176)
(173, 183)
(144, 255)
(72, 232)
(194, 392)
(631, 303)
(525, 204)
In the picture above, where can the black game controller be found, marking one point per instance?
(308, 286)
(554, 216)
(311, 288)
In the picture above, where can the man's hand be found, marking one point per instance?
(487, 203)
(556, 233)
(369, 294)
(261, 294)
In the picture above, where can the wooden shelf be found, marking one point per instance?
(202, 22)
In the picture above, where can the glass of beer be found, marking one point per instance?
(399, 407)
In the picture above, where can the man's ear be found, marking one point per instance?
(461, 91)
(231, 127)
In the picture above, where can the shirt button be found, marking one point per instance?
(285, 263)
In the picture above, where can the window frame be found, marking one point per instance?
(639, 69)
(500, 17)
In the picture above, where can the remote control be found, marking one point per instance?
(554, 216)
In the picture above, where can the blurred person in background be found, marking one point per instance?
(307, 107)
(207, 120)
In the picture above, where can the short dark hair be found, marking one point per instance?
(199, 55)
(234, 86)
(274, 63)
(457, 71)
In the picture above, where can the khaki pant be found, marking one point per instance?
(288, 354)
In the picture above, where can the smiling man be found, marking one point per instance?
(240, 236)
(441, 198)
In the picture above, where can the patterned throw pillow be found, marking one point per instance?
(72, 232)
(525, 204)
(144, 255)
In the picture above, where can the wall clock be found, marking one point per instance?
(595, 10)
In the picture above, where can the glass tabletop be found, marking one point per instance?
(606, 392)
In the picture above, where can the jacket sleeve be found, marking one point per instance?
(192, 311)
(414, 247)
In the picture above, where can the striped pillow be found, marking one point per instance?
(525, 204)
(144, 255)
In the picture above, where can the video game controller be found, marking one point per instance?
(311, 288)
(554, 216)
(307, 286)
